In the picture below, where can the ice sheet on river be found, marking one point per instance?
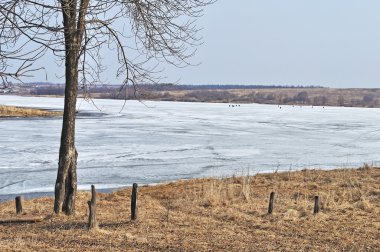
(164, 141)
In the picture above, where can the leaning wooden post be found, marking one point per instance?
(134, 202)
(92, 223)
(316, 204)
(18, 205)
(271, 201)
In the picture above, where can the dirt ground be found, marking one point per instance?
(213, 215)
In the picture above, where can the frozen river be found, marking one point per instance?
(164, 141)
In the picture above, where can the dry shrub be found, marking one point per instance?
(364, 205)
(292, 214)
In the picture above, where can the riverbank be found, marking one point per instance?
(214, 215)
(12, 111)
(234, 94)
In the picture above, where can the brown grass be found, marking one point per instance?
(215, 215)
(11, 111)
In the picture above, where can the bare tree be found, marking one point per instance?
(76, 32)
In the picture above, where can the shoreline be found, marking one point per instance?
(34, 195)
(7, 111)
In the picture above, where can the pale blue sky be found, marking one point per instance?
(322, 42)
(332, 43)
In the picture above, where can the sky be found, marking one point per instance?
(334, 43)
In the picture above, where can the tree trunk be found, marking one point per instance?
(66, 184)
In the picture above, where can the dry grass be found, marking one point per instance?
(11, 111)
(215, 215)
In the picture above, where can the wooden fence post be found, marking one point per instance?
(92, 223)
(18, 205)
(316, 204)
(271, 202)
(134, 202)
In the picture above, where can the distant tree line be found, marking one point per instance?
(226, 93)
(169, 87)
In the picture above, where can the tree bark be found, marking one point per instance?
(66, 183)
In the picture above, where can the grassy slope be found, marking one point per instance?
(11, 111)
(215, 215)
